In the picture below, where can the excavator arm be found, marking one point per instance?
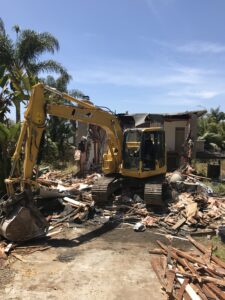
(35, 123)
(19, 217)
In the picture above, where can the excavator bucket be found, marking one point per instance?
(20, 218)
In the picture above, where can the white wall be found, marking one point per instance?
(170, 128)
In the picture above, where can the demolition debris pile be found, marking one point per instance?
(66, 182)
(188, 275)
(193, 207)
(193, 211)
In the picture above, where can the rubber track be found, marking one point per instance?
(153, 193)
(101, 190)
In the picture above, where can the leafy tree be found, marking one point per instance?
(5, 95)
(21, 58)
(211, 128)
(59, 130)
(216, 115)
(8, 138)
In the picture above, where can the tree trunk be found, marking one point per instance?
(18, 112)
(4, 168)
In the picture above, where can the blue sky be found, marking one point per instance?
(135, 55)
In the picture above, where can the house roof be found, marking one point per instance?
(198, 113)
(141, 118)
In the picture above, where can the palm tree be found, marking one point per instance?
(22, 60)
(216, 114)
(5, 96)
(59, 130)
(211, 128)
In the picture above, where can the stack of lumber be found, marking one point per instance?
(188, 275)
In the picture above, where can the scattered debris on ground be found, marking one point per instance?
(189, 275)
(56, 181)
(66, 201)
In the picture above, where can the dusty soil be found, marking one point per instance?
(111, 262)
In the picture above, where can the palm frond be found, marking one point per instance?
(30, 45)
(6, 51)
(14, 131)
(49, 41)
(2, 27)
(4, 134)
(77, 94)
(213, 138)
(50, 66)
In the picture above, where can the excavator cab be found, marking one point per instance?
(143, 152)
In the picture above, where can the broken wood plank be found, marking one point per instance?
(199, 291)
(179, 223)
(177, 254)
(155, 262)
(170, 276)
(216, 290)
(213, 280)
(69, 215)
(73, 202)
(163, 264)
(54, 232)
(191, 210)
(208, 255)
(8, 248)
(198, 177)
(209, 293)
(186, 296)
(47, 182)
(180, 260)
(217, 281)
(189, 257)
(54, 226)
(157, 251)
(204, 250)
(190, 291)
(180, 293)
(192, 270)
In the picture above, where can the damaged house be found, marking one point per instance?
(179, 127)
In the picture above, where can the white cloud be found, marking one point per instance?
(202, 94)
(172, 85)
(192, 47)
(133, 76)
(155, 7)
(202, 47)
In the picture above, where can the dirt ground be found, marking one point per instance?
(110, 262)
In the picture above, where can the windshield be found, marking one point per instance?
(133, 136)
(131, 153)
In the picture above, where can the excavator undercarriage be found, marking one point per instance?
(151, 190)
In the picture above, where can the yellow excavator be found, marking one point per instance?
(135, 157)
